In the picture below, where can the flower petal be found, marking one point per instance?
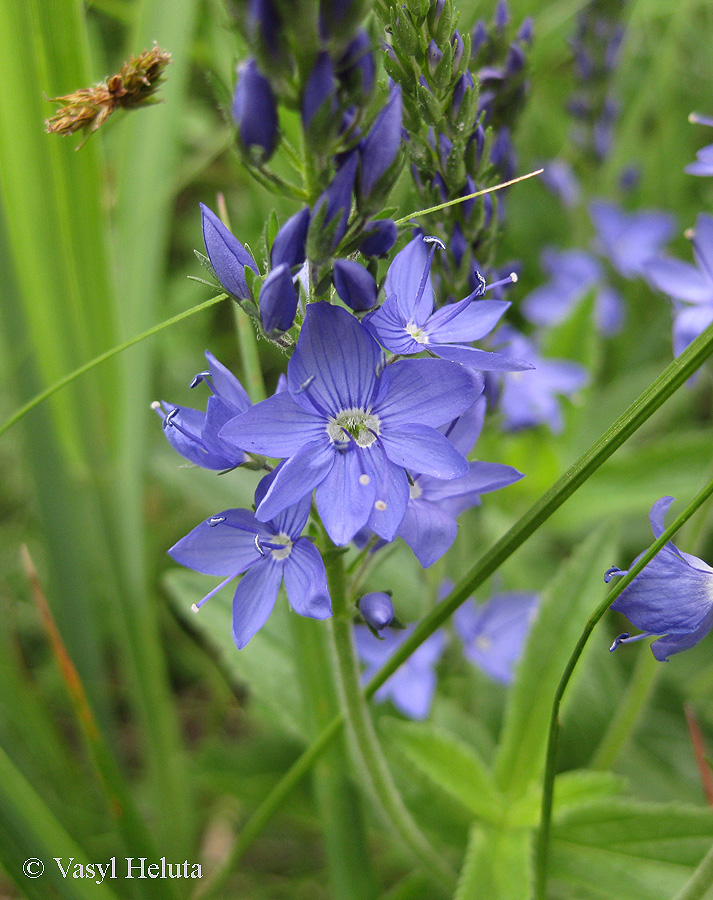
(679, 279)
(403, 280)
(343, 499)
(674, 643)
(429, 391)
(254, 600)
(335, 362)
(389, 328)
(464, 431)
(290, 521)
(482, 360)
(296, 478)
(391, 496)
(276, 427)
(428, 530)
(423, 449)
(226, 548)
(688, 324)
(306, 581)
(474, 321)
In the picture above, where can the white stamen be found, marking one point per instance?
(354, 424)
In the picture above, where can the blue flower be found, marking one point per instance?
(379, 149)
(494, 633)
(278, 301)
(355, 285)
(560, 178)
(377, 610)
(407, 324)
(691, 287)
(379, 237)
(255, 113)
(672, 596)
(194, 434)
(226, 254)
(235, 542)
(573, 274)
(289, 244)
(320, 93)
(328, 227)
(704, 158)
(630, 240)
(531, 398)
(412, 685)
(429, 525)
(351, 427)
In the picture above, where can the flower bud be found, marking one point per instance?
(377, 610)
(356, 68)
(457, 44)
(330, 214)
(255, 113)
(501, 17)
(524, 34)
(278, 301)
(433, 56)
(320, 94)
(381, 146)
(355, 285)
(289, 244)
(227, 255)
(380, 237)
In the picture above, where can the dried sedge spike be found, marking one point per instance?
(134, 86)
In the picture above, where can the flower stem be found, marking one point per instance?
(543, 838)
(700, 881)
(370, 759)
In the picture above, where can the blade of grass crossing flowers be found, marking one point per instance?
(675, 375)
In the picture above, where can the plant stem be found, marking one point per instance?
(542, 848)
(700, 881)
(371, 763)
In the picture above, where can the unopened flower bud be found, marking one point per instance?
(288, 248)
(255, 113)
(377, 610)
(357, 67)
(501, 17)
(227, 255)
(380, 237)
(355, 285)
(320, 93)
(381, 146)
(330, 214)
(433, 56)
(278, 301)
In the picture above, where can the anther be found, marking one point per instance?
(215, 520)
(380, 505)
(432, 239)
(305, 384)
(168, 420)
(201, 376)
(257, 545)
(610, 573)
(364, 479)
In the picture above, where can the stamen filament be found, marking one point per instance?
(197, 606)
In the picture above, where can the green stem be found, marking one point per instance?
(542, 848)
(700, 881)
(369, 757)
(250, 356)
(675, 374)
(68, 379)
(628, 712)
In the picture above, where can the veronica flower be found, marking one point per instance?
(235, 542)
(377, 610)
(704, 158)
(672, 596)
(531, 398)
(573, 274)
(407, 324)
(691, 287)
(227, 255)
(494, 633)
(351, 427)
(412, 685)
(429, 525)
(630, 240)
(195, 434)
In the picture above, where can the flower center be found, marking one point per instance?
(414, 491)
(354, 424)
(284, 551)
(416, 333)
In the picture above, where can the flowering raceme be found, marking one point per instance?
(350, 427)
(672, 596)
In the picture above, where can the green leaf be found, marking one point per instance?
(565, 606)
(579, 787)
(628, 850)
(266, 665)
(451, 764)
(497, 865)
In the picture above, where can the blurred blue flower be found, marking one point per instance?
(429, 525)
(691, 287)
(235, 541)
(672, 596)
(412, 685)
(377, 610)
(704, 157)
(531, 398)
(630, 240)
(407, 324)
(494, 633)
(195, 434)
(351, 427)
(573, 273)
(255, 112)
(559, 177)
(226, 254)
(356, 66)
